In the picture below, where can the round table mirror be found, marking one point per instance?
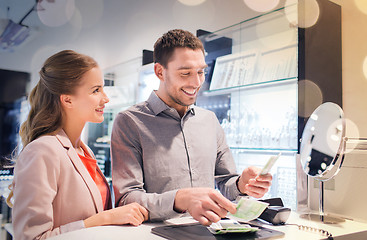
(322, 149)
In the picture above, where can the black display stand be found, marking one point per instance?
(199, 232)
(320, 59)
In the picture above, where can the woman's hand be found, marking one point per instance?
(132, 213)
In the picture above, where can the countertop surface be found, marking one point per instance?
(311, 230)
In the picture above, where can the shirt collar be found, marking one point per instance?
(158, 106)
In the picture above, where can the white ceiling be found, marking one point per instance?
(112, 31)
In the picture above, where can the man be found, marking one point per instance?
(168, 155)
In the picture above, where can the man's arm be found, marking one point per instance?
(128, 173)
(225, 168)
(229, 183)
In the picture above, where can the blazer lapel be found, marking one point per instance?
(79, 166)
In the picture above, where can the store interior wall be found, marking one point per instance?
(114, 32)
(345, 193)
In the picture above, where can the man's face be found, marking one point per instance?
(182, 79)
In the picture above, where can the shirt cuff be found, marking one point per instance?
(239, 192)
(163, 209)
(232, 191)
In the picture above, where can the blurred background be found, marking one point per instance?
(120, 35)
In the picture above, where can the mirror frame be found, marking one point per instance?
(333, 168)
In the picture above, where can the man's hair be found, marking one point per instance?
(177, 38)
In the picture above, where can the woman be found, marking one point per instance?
(58, 186)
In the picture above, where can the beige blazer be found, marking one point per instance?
(53, 191)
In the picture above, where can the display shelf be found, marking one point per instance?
(250, 86)
(254, 66)
(102, 145)
(265, 150)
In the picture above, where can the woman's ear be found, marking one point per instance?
(158, 70)
(66, 101)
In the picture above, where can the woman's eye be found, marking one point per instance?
(96, 90)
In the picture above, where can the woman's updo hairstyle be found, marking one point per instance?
(61, 74)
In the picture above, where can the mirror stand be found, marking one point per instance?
(349, 144)
(322, 217)
(322, 150)
(356, 143)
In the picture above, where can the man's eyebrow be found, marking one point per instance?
(185, 67)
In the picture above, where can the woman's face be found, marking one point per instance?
(89, 99)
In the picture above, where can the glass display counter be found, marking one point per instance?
(254, 88)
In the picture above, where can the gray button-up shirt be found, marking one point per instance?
(155, 152)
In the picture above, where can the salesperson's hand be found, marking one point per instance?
(132, 213)
(205, 205)
(251, 184)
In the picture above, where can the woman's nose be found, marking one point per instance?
(105, 98)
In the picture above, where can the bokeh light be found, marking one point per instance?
(352, 131)
(291, 11)
(191, 2)
(91, 12)
(305, 16)
(76, 24)
(365, 67)
(56, 13)
(261, 5)
(275, 33)
(335, 131)
(181, 19)
(361, 5)
(38, 58)
(310, 97)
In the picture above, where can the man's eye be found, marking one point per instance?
(185, 74)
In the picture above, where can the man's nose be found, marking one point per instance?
(197, 80)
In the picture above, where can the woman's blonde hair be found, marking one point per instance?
(60, 74)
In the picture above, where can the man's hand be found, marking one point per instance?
(205, 205)
(253, 185)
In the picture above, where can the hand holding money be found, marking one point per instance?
(248, 209)
(253, 185)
